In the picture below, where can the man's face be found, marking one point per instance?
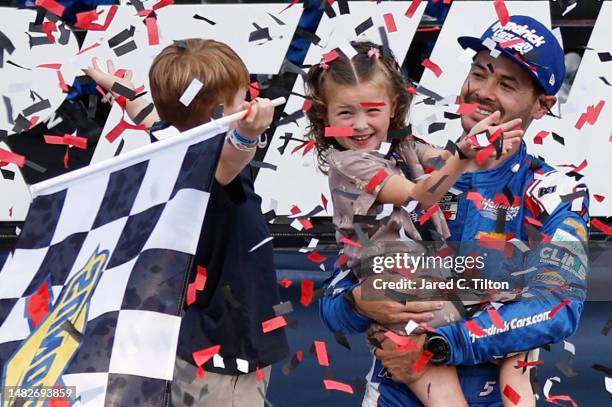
(500, 84)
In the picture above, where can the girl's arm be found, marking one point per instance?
(397, 189)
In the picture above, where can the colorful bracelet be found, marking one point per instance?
(240, 142)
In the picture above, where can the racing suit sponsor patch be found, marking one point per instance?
(515, 323)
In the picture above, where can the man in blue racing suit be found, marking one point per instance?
(520, 198)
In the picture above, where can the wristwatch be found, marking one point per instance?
(439, 346)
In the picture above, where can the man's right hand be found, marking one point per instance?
(391, 312)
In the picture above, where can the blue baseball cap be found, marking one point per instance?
(528, 43)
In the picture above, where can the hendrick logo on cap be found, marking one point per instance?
(512, 31)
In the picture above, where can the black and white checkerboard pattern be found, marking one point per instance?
(148, 216)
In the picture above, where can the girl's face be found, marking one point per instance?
(366, 107)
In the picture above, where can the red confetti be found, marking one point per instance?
(51, 5)
(390, 22)
(197, 285)
(339, 131)
(474, 328)
(554, 399)
(427, 63)
(401, 342)
(259, 374)
(305, 222)
(285, 283)
(331, 56)
(476, 199)
(92, 46)
(372, 104)
(62, 83)
(533, 221)
(299, 355)
(162, 3)
(316, 257)
(84, 18)
(429, 29)
(502, 12)
(539, 138)
(38, 304)
(273, 323)
(350, 242)
(307, 105)
(10, 157)
(378, 178)
(510, 43)
(68, 140)
(49, 28)
(602, 226)
(121, 127)
(50, 66)
(511, 394)
(307, 292)
(412, 90)
(202, 356)
(467, 108)
(336, 385)
(422, 361)
(88, 24)
(598, 197)
(310, 144)
(254, 90)
(290, 5)
(324, 201)
(522, 363)
(591, 115)
(152, 31)
(425, 217)
(413, 7)
(496, 318)
(557, 307)
(321, 351)
(484, 154)
(201, 372)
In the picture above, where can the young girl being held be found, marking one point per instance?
(366, 97)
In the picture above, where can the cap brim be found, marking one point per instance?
(475, 44)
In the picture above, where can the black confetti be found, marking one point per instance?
(37, 107)
(9, 109)
(124, 91)
(199, 17)
(437, 126)
(125, 48)
(261, 164)
(558, 138)
(607, 326)
(312, 37)
(259, 34)
(364, 26)
(143, 113)
(604, 56)
(7, 174)
(276, 19)
(342, 339)
(121, 36)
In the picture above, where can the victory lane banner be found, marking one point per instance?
(90, 299)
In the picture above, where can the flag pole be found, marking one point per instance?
(187, 137)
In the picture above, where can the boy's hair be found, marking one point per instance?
(361, 68)
(213, 63)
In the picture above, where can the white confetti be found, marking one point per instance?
(263, 242)
(242, 365)
(296, 225)
(218, 361)
(190, 93)
(568, 346)
(410, 326)
(608, 382)
(387, 209)
(548, 385)
(384, 148)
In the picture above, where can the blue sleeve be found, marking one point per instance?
(558, 283)
(336, 312)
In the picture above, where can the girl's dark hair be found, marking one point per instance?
(343, 71)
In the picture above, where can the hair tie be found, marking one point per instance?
(374, 52)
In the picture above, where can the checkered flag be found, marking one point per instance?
(91, 297)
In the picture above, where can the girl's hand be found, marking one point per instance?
(512, 134)
(108, 79)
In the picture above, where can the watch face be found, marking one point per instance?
(439, 347)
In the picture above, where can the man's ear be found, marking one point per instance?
(544, 105)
